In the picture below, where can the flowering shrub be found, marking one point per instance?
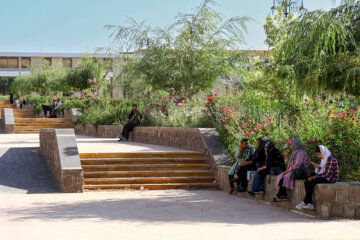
(335, 126)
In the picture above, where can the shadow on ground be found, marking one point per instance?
(24, 170)
(163, 206)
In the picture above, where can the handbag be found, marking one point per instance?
(299, 173)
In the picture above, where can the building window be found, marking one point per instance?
(9, 62)
(67, 62)
(3, 62)
(25, 62)
(47, 61)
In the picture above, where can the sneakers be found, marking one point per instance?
(122, 139)
(309, 206)
(300, 205)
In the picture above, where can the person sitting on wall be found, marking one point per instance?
(47, 108)
(135, 119)
(274, 165)
(326, 172)
(243, 153)
(57, 105)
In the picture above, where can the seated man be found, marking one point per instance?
(47, 108)
(134, 120)
(244, 153)
(53, 111)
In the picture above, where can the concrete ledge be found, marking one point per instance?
(8, 120)
(59, 148)
(102, 131)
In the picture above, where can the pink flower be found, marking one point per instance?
(179, 104)
(251, 132)
(265, 132)
(216, 94)
(183, 100)
(247, 134)
(249, 121)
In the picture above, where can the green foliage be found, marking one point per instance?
(78, 77)
(322, 48)
(187, 57)
(5, 83)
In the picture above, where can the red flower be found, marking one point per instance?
(249, 121)
(314, 141)
(247, 134)
(346, 140)
(314, 99)
(265, 132)
(210, 99)
(214, 126)
(288, 142)
(330, 112)
(308, 104)
(216, 94)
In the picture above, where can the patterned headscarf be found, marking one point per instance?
(297, 147)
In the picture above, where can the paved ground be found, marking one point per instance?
(178, 214)
(166, 215)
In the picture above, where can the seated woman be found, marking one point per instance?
(299, 159)
(274, 164)
(259, 159)
(326, 172)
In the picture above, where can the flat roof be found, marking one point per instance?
(79, 55)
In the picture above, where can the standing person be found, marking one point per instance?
(11, 98)
(57, 105)
(274, 164)
(300, 160)
(135, 119)
(326, 172)
(243, 153)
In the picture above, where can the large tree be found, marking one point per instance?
(323, 49)
(186, 57)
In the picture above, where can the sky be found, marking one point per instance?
(77, 26)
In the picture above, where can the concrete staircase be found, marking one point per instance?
(33, 125)
(153, 171)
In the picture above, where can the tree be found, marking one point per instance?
(187, 57)
(323, 49)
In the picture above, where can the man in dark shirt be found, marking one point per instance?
(134, 120)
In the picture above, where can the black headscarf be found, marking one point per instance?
(259, 154)
(274, 157)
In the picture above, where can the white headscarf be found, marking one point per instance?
(326, 154)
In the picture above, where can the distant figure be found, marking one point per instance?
(23, 103)
(134, 120)
(11, 98)
(57, 105)
(47, 108)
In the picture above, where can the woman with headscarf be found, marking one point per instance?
(259, 155)
(274, 162)
(299, 159)
(326, 172)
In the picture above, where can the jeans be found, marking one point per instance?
(242, 173)
(258, 183)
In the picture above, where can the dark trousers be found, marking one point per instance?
(127, 129)
(282, 190)
(232, 179)
(46, 109)
(309, 188)
(242, 173)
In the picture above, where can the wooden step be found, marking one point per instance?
(159, 186)
(140, 155)
(147, 180)
(103, 161)
(139, 167)
(43, 120)
(153, 173)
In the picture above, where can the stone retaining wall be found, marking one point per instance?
(59, 148)
(331, 200)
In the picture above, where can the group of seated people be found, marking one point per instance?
(51, 109)
(266, 159)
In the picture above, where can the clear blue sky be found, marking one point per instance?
(77, 25)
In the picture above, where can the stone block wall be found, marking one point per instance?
(102, 131)
(58, 146)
